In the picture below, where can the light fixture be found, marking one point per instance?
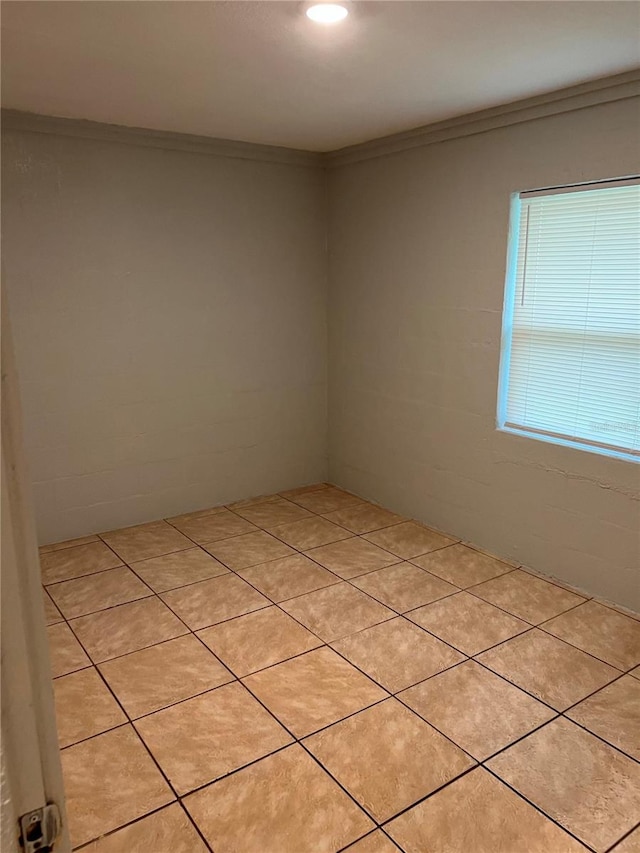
(327, 13)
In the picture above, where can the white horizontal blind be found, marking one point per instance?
(572, 345)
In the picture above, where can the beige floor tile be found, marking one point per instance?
(146, 540)
(260, 499)
(375, 842)
(364, 518)
(289, 577)
(631, 844)
(397, 654)
(314, 690)
(152, 678)
(191, 516)
(526, 596)
(166, 831)
(65, 652)
(409, 539)
(208, 736)
(466, 622)
(602, 632)
(625, 611)
(555, 581)
(258, 640)
(478, 710)
(179, 569)
(273, 514)
(403, 586)
(311, 533)
(51, 613)
(478, 814)
(109, 780)
(212, 601)
(210, 528)
(240, 552)
(613, 713)
(462, 566)
(549, 669)
(75, 562)
(301, 490)
(202, 725)
(514, 564)
(352, 557)
(97, 592)
(68, 543)
(327, 500)
(127, 628)
(590, 788)
(84, 706)
(336, 611)
(387, 758)
(283, 803)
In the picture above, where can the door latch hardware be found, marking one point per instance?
(39, 829)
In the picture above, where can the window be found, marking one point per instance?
(570, 363)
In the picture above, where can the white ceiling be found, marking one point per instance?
(262, 72)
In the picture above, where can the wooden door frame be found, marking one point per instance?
(31, 774)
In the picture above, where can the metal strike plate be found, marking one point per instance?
(39, 829)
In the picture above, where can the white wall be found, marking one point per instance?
(417, 265)
(169, 315)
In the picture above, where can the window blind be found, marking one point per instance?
(570, 366)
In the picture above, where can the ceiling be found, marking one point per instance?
(262, 72)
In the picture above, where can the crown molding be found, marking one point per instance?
(601, 91)
(99, 131)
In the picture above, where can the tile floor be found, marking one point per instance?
(308, 673)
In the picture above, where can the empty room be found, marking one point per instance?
(320, 426)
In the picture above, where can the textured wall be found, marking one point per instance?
(417, 265)
(169, 315)
(169, 311)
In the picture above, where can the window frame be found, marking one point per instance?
(508, 310)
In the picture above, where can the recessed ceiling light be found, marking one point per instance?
(327, 13)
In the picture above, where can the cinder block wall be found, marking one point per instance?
(179, 306)
(418, 243)
(169, 316)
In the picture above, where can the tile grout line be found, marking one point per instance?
(352, 844)
(256, 698)
(479, 762)
(237, 573)
(326, 644)
(350, 662)
(612, 849)
(296, 741)
(348, 580)
(540, 625)
(279, 722)
(200, 833)
(563, 712)
(129, 722)
(533, 572)
(85, 844)
(476, 764)
(392, 840)
(469, 589)
(401, 615)
(87, 575)
(392, 694)
(540, 810)
(549, 634)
